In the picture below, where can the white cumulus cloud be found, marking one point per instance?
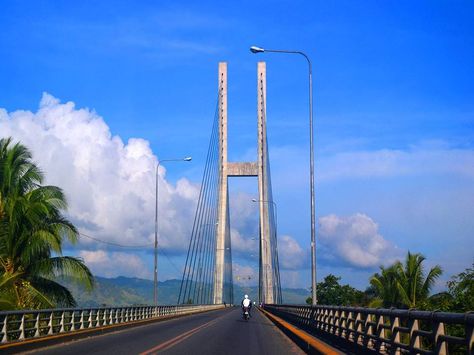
(110, 184)
(355, 240)
(242, 245)
(290, 254)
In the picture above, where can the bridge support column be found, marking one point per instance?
(223, 203)
(268, 280)
(265, 199)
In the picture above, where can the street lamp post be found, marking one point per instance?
(255, 49)
(155, 271)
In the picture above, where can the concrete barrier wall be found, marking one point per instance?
(17, 326)
(384, 330)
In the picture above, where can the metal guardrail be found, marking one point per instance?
(22, 325)
(385, 331)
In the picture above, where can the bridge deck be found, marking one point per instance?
(216, 332)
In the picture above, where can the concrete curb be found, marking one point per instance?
(307, 342)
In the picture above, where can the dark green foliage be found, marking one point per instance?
(442, 301)
(461, 288)
(32, 231)
(385, 286)
(405, 285)
(331, 293)
(460, 294)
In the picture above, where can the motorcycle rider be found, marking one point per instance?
(246, 303)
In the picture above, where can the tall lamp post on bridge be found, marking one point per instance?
(155, 271)
(255, 49)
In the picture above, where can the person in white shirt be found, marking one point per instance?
(246, 302)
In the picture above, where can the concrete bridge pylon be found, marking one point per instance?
(269, 287)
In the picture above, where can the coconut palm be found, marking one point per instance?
(32, 231)
(405, 284)
(414, 286)
(385, 285)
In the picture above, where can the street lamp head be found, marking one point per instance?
(188, 159)
(255, 49)
(254, 200)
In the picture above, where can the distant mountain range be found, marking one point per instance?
(126, 291)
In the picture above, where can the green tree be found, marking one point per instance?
(442, 301)
(331, 292)
(461, 288)
(414, 286)
(32, 232)
(385, 286)
(405, 284)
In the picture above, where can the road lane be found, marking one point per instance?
(233, 335)
(216, 332)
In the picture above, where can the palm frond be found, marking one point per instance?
(31, 297)
(65, 266)
(431, 278)
(57, 293)
(8, 278)
(32, 227)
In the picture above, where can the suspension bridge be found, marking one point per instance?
(203, 321)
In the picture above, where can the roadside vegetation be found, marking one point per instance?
(403, 285)
(33, 231)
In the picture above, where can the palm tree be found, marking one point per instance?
(404, 285)
(413, 285)
(32, 231)
(385, 285)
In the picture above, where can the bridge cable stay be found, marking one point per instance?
(197, 282)
(200, 232)
(204, 237)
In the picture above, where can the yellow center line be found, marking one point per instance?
(178, 339)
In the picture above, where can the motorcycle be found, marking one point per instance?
(245, 314)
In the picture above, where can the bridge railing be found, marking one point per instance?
(21, 325)
(384, 330)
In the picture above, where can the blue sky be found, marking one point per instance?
(394, 113)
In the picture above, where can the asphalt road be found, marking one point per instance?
(215, 332)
